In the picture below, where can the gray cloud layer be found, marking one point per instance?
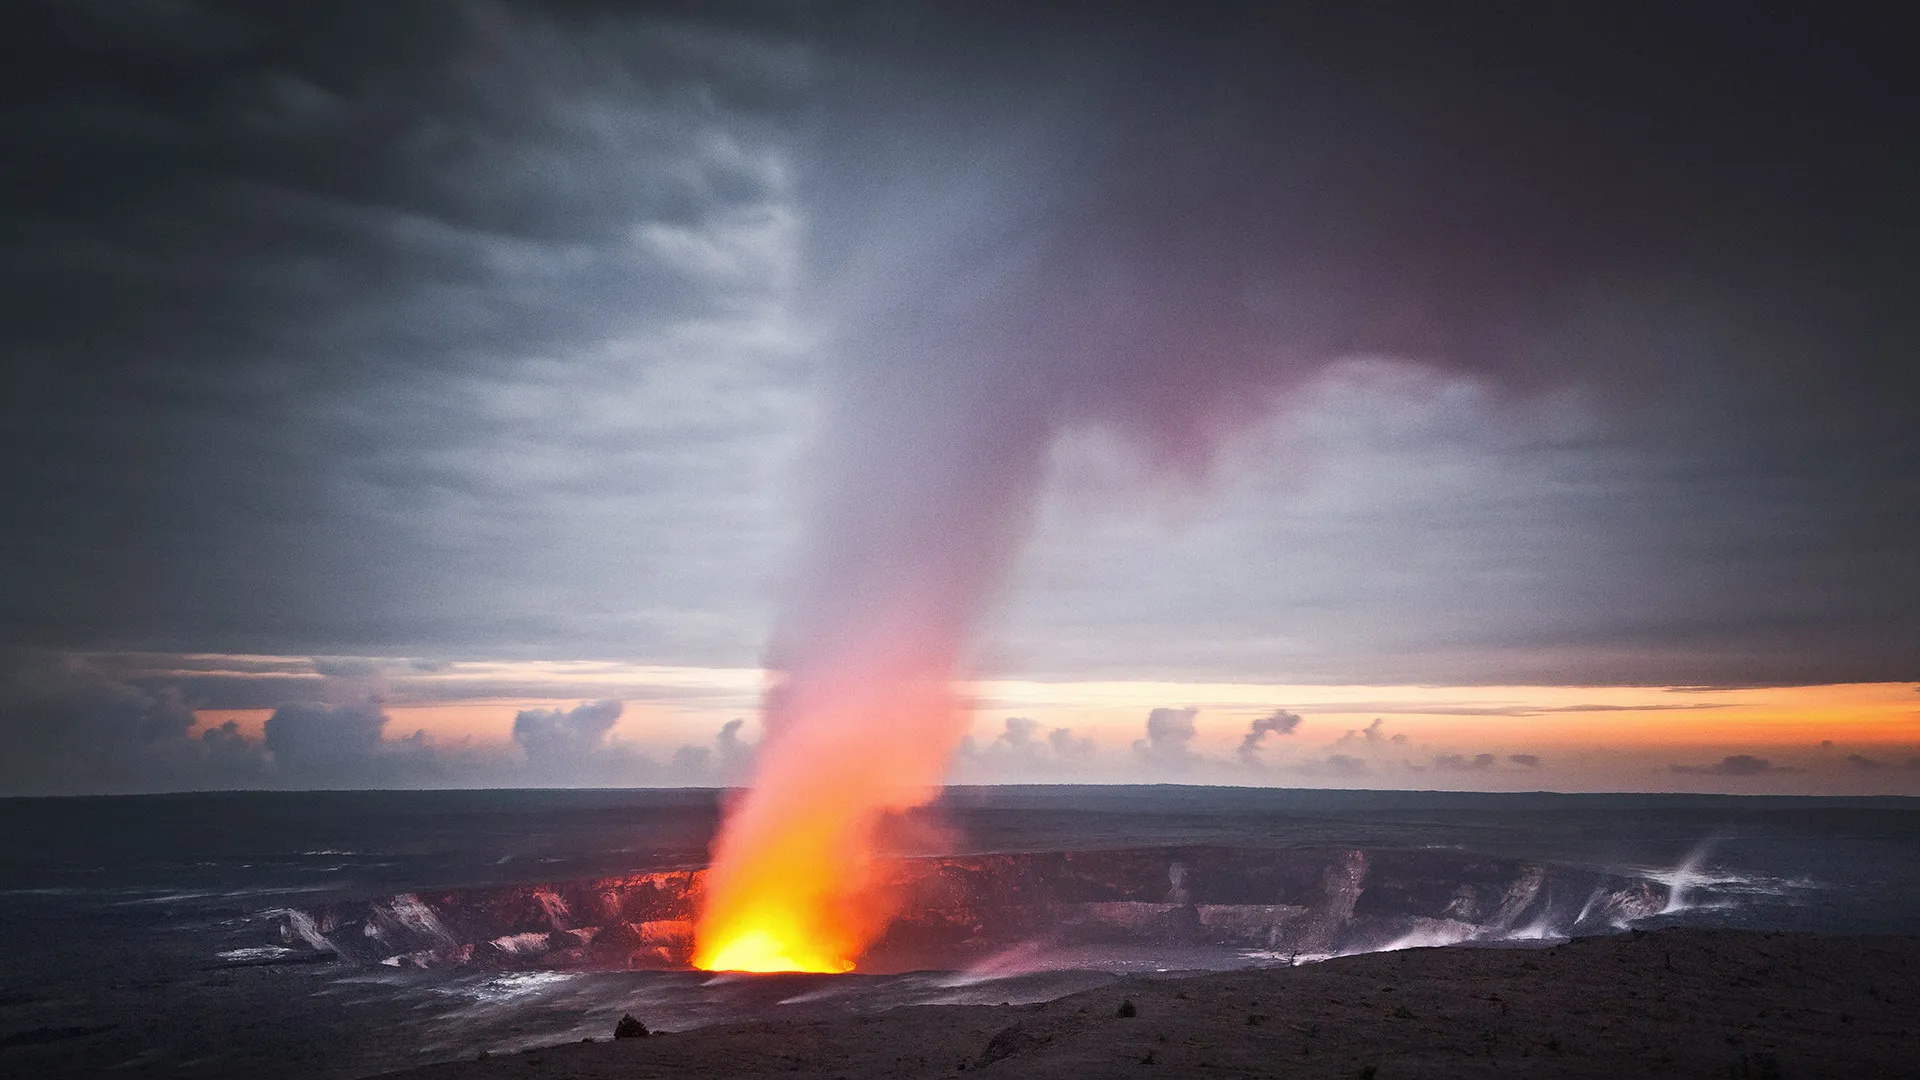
(493, 329)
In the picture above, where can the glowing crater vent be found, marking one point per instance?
(766, 951)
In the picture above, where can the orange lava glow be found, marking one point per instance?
(764, 950)
(794, 883)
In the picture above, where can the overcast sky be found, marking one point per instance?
(1398, 345)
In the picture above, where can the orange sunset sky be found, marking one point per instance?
(1846, 738)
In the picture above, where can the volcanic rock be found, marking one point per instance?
(1292, 902)
(630, 1028)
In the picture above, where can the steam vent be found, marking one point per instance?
(1300, 902)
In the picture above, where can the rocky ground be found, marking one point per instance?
(1669, 1003)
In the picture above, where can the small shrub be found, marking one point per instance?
(1126, 1008)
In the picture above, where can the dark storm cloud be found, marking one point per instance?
(1734, 765)
(1226, 227)
(444, 328)
(274, 279)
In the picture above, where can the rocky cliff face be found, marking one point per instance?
(1296, 902)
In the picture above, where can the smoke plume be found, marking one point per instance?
(1280, 721)
(1008, 267)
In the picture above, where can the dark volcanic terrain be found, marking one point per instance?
(161, 935)
(956, 910)
(1671, 1003)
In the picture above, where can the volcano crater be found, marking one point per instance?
(957, 911)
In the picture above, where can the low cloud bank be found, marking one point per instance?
(1734, 765)
(1025, 749)
(72, 728)
(1463, 763)
(72, 725)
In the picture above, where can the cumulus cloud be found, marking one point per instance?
(565, 735)
(1020, 736)
(1525, 761)
(727, 762)
(1734, 765)
(570, 746)
(1280, 722)
(1463, 763)
(735, 753)
(1170, 734)
(1070, 747)
(72, 729)
(1025, 746)
(326, 740)
(1865, 763)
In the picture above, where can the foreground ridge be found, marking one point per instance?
(1673, 1003)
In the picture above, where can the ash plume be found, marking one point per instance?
(1280, 722)
(1166, 252)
